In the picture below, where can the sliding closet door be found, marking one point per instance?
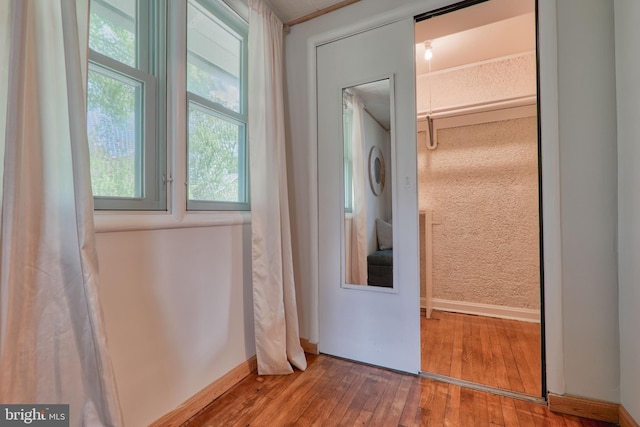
(368, 270)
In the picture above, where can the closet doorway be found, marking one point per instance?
(479, 199)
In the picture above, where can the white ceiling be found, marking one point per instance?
(289, 10)
(376, 99)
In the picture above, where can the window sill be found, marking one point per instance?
(114, 221)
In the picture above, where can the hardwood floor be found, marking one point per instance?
(495, 352)
(336, 392)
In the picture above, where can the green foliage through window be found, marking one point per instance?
(216, 82)
(126, 104)
(109, 38)
(112, 125)
(214, 146)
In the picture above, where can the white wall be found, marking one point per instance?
(627, 14)
(377, 206)
(581, 295)
(588, 168)
(178, 312)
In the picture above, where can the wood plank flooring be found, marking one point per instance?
(336, 392)
(495, 352)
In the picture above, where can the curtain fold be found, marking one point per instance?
(52, 341)
(359, 208)
(274, 300)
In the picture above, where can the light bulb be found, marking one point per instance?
(428, 52)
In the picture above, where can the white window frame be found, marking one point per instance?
(174, 159)
(231, 18)
(208, 107)
(151, 74)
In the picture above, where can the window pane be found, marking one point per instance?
(113, 124)
(213, 59)
(215, 159)
(112, 29)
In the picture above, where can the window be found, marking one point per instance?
(216, 108)
(125, 104)
(128, 105)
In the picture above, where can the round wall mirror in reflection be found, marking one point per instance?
(368, 236)
(376, 170)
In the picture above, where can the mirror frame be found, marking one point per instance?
(392, 185)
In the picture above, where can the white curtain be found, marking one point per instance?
(52, 340)
(359, 208)
(274, 299)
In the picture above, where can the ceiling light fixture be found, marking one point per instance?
(428, 52)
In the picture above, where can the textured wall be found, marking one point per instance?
(482, 185)
(491, 81)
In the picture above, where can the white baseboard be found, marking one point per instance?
(499, 311)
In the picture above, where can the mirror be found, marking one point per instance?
(368, 230)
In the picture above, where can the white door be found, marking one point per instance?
(371, 324)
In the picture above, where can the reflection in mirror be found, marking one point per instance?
(368, 235)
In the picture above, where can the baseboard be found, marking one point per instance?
(309, 347)
(200, 400)
(626, 420)
(584, 407)
(499, 311)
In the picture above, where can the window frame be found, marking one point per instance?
(151, 73)
(203, 105)
(168, 206)
(228, 16)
